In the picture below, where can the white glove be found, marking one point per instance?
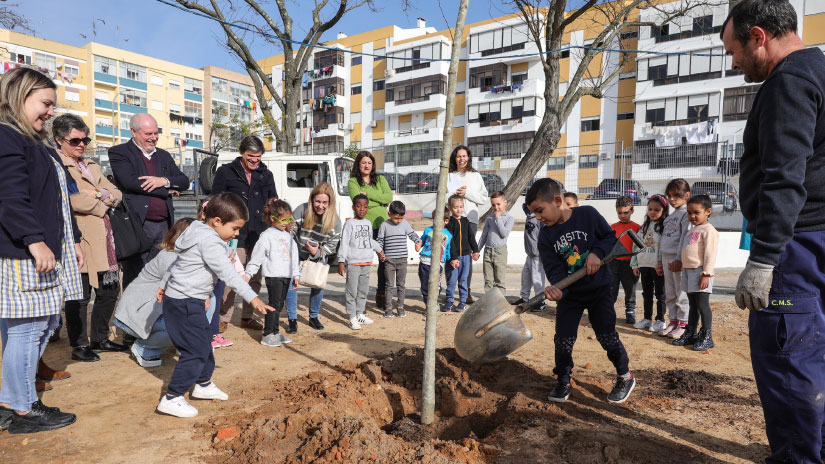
(754, 286)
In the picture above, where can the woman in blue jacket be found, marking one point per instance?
(39, 255)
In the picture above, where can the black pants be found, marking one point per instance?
(189, 330)
(623, 275)
(155, 231)
(653, 285)
(700, 307)
(473, 228)
(276, 287)
(76, 312)
(602, 317)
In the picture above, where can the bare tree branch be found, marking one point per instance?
(11, 20)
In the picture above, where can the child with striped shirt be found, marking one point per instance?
(392, 238)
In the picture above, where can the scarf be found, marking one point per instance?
(111, 276)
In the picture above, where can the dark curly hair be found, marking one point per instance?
(275, 207)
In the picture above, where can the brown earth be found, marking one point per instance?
(353, 396)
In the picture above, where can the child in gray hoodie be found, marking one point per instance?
(185, 291)
(355, 256)
(532, 275)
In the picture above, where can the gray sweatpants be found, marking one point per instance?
(395, 271)
(532, 277)
(495, 267)
(675, 298)
(358, 284)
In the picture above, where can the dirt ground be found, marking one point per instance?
(339, 395)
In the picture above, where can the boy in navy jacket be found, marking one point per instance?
(575, 238)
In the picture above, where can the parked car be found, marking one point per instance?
(493, 182)
(419, 182)
(533, 181)
(391, 179)
(614, 188)
(723, 193)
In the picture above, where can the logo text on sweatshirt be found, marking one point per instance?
(565, 239)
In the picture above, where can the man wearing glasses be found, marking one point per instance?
(249, 178)
(146, 174)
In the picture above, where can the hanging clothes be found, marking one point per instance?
(668, 136)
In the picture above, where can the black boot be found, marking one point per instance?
(315, 323)
(704, 341)
(687, 338)
(293, 326)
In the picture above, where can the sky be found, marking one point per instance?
(154, 29)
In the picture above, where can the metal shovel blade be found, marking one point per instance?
(500, 340)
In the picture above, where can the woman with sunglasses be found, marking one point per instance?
(94, 198)
(39, 251)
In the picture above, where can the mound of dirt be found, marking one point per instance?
(696, 385)
(486, 413)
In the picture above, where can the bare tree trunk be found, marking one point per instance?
(428, 384)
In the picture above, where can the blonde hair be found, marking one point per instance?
(330, 217)
(16, 86)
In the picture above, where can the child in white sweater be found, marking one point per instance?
(277, 253)
(644, 264)
(355, 254)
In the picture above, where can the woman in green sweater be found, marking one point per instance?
(363, 179)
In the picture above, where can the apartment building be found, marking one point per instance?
(230, 101)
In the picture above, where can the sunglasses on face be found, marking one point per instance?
(76, 141)
(286, 220)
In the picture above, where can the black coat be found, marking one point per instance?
(232, 178)
(30, 197)
(127, 165)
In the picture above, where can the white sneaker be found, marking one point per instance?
(270, 340)
(643, 324)
(177, 406)
(353, 323)
(363, 319)
(658, 326)
(145, 362)
(209, 392)
(283, 339)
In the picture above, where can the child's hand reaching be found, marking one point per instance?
(160, 294)
(260, 306)
(552, 293)
(419, 245)
(704, 282)
(475, 256)
(455, 263)
(342, 269)
(592, 264)
(660, 270)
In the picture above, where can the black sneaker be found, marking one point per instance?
(40, 418)
(689, 337)
(315, 323)
(5, 417)
(293, 326)
(560, 393)
(622, 389)
(630, 318)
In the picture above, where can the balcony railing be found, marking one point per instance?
(411, 132)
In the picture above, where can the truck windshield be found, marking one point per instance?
(343, 168)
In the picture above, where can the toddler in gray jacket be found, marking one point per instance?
(355, 254)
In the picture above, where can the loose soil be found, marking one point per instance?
(344, 396)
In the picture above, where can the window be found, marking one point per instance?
(328, 58)
(512, 146)
(519, 78)
(220, 89)
(378, 114)
(624, 116)
(72, 95)
(43, 60)
(194, 110)
(355, 90)
(355, 118)
(502, 40)
(414, 58)
(696, 66)
(738, 102)
(160, 130)
(193, 136)
(378, 85)
(174, 133)
(494, 113)
(174, 85)
(679, 111)
(157, 105)
(659, 31)
(565, 54)
(416, 90)
(105, 66)
(356, 60)
(71, 70)
(124, 123)
(133, 97)
(21, 58)
(132, 72)
(702, 24)
(157, 80)
(380, 54)
(555, 163)
(240, 92)
(589, 125)
(629, 35)
(655, 115)
(588, 161)
(192, 85)
(485, 77)
(174, 109)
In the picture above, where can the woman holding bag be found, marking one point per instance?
(94, 198)
(317, 231)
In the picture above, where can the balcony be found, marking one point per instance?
(328, 72)
(192, 96)
(194, 143)
(105, 105)
(336, 129)
(436, 101)
(528, 88)
(103, 130)
(132, 108)
(132, 84)
(416, 69)
(414, 135)
(105, 78)
(510, 126)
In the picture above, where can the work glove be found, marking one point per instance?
(754, 285)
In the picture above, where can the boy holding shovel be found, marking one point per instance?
(576, 238)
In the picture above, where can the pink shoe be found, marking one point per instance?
(219, 342)
(670, 328)
(676, 333)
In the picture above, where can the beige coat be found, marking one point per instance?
(89, 212)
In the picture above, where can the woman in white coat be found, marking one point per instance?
(467, 183)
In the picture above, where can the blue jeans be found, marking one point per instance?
(24, 340)
(315, 297)
(459, 275)
(150, 348)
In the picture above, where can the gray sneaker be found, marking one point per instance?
(283, 339)
(270, 340)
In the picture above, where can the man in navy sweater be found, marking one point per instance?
(145, 174)
(783, 198)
